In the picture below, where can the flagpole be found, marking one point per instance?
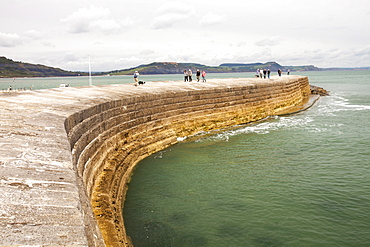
(90, 79)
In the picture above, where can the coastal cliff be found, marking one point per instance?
(80, 146)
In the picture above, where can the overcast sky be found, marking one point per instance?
(119, 34)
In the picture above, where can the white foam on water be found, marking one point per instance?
(332, 104)
(337, 103)
(261, 128)
(355, 107)
(180, 139)
(159, 155)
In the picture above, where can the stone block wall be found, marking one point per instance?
(109, 138)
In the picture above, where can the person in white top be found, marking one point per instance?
(186, 76)
(136, 78)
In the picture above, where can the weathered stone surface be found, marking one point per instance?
(66, 155)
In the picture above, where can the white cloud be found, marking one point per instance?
(362, 51)
(273, 41)
(105, 25)
(33, 34)
(171, 13)
(173, 7)
(10, 39)
(324, 58)
(147, 52)
(127, 22)
(70, 57)
(211, 19)
(91, 19)
(208, 32)
(48, 44)
(167, 20)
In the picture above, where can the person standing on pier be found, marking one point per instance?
(136, 78)
(186, 76)
(190, 74)
(198, 75)
(268, 73)
(204, 76)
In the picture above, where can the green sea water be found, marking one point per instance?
(298, 180)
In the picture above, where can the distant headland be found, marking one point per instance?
(13, 69)
(178, 68)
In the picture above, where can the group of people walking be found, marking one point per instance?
(263, 73)
(188, 75)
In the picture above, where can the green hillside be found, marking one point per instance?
(170, 68)
(252, 67)
(10, 68)
(178, 68)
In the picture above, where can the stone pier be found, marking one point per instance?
(67, 154)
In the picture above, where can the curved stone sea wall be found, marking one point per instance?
(109, 139)
(111, 128)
